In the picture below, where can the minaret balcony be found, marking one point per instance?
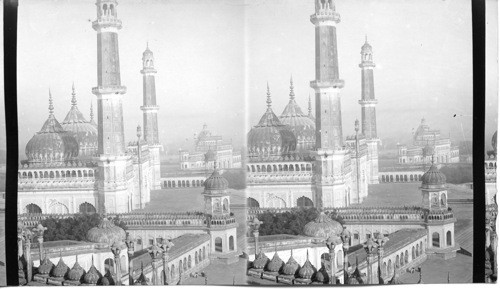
(367, 64)
(147, 70)
(105, 22)
(368, 101)
(109, 89)
(336, 83)
(150, 107)
(325, 15)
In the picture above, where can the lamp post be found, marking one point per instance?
(346, 238)
(255, 225)
(130, 242)
(39, 235)
(155, 252)
(166, 245)
(332, 242)
(370, 248)
(116, 248)
(381, 240)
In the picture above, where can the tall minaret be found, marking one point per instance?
(331, 177)
(368, 116)
(150, 113)
(112, 161)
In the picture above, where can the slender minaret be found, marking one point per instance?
(330, 175)
(150, 114)
(368, 116)
(112, 161)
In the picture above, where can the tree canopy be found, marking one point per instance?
(291, 222)
(74, 228)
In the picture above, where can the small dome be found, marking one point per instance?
(92, 276)
(61, 269)
(433, 179)
(270, 137)
(52, 143)
(46, 266)
(323, 227)
(216, 182)
(147, 52)
(261, 261)
(322, 276)
(291, 267)
(276, 263)
(366, 47)
(76, 273)
(308, 270)
(106, 232)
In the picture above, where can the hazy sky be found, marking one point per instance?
(199, 55)
(214, 58)
(422, 49)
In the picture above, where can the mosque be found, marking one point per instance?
(292, 158)
(78, 166)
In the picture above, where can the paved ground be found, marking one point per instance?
(221, 274)
(435, 271)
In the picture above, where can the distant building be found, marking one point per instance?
(428, 147)
(209, 150)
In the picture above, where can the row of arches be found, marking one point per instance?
(391, 178)
(301, 202)
(183, 183)
(59, 208)
(218, 244)
(279, 168)
(186, 263)
(436, 239)
(402, 259)
(56, 174)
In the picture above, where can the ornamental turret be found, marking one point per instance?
(368, 101)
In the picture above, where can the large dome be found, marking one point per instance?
(106, 232)
(52, 143)
(302, 125)
(270, 138)
(323, 227)
(85, 132)
(433, 179)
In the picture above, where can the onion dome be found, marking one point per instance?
(83, 131)
(323, 227)
(92, 276)
(52, 143)
(308, 270)
(433, 179)
(276, 263)
(142, 280)
(76, 273)
(260, 261)
(270, 138)
(46, 266)
(322, 276)
(291, 267)
(106, 232)
(61, 269)
(301, 125)
(216, 182)
(147, 52)
(366, 48)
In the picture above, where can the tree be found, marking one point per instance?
(75, 227)
(290, 222)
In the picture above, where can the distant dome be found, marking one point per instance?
(433, 179)
(106, 232)
(216, 182)
(52, 143)
(85, 132)
(270, 138)
(323, 227)
(302, 125)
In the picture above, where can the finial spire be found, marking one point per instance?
(366, 38)
(51, 105)
(309, 108)
(292, 94)
(268, 101)
(147, 44)
(73, 95)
